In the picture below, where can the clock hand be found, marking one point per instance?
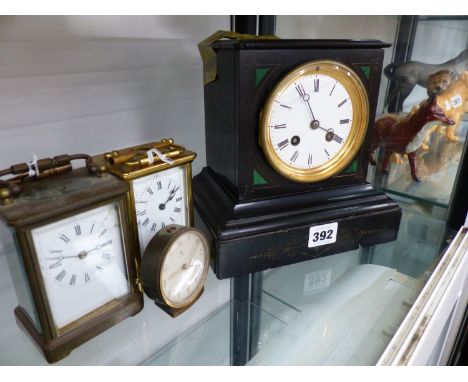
(332, 136)
(82, 254)
(60, 258)
(177, 271)
(305, 97)
(182, 268)
(316, 125)
(162, 206)
(99, 246)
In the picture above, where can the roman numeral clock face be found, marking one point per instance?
(314, 121)
(82, 262)
(160, 200)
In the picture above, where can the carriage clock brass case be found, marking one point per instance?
(154, 184)
(75, 273)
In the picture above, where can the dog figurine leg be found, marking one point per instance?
(397, 159)
(451, 136)
(372, 160)
(425, 144)
(386, 160)
(412, 163)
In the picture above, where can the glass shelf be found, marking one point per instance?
(337, 310)
(344, 309)
(206, 344)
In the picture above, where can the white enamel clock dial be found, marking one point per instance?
(310, 121)
(184, 269)
(82, 262)
(314, 121)
(160, 200)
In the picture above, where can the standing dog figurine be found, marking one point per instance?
(454, 101)
(405, 135)
(410, 73)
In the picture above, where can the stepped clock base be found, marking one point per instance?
(55, 349)
(258, 235)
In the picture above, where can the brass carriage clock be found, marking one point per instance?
(288, 126)
(76, 255)
(80, 232)
(159, 175)
(160, 200)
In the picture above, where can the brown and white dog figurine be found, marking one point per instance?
(405, 135)
(436, 83)
(453, 99)
(450, 91)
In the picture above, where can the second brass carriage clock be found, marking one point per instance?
(160, 207)
(288, 126)
(160, 178)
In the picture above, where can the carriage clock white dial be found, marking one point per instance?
(314, 121)
(160, 200)
(82, 262)
(184, 268)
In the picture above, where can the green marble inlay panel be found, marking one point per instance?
(260, 73)
(366, 70)
(258, 179)
(352, 167)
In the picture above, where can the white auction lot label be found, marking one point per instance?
(323, 234)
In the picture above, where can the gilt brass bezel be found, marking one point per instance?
(358, 97)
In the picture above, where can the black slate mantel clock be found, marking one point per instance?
(288, 124)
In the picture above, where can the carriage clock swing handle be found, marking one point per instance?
(38, 169)
(145, 155)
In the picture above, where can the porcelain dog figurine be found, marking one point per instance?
(454, 101)
(439, 81)
(405, 135)
(412, 73)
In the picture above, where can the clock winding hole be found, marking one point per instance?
(295, 140)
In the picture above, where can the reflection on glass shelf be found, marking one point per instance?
(206, 344)
(209, 342)
(344, 309)
(348, 322)
(437, 168)
(417, 245)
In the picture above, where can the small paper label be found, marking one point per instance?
(448, 105)
(322, 234)
(317, 280)
(456, 101)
